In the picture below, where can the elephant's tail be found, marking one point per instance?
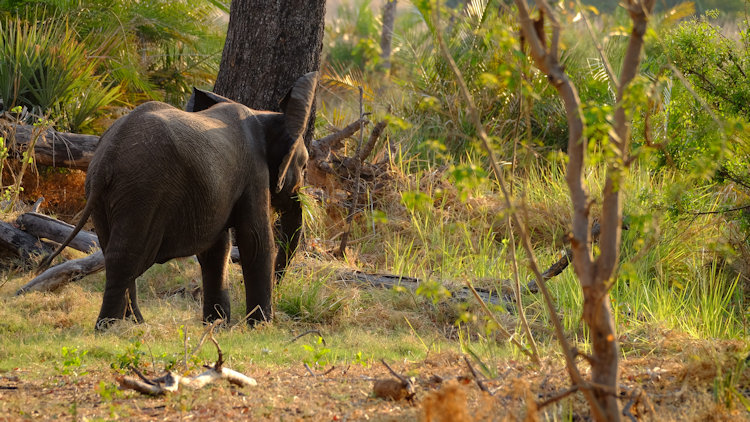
(84, 217)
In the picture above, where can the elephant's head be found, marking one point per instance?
(286, 148)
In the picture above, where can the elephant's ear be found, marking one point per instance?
(296, 107)
(201, 100)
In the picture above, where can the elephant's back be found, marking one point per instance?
(168, 171)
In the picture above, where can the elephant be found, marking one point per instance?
(166, 183)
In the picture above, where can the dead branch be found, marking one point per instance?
(370, 145)
(557, 397)
(55, 277)
(357, 170)
(476, 377)
(45, 227)
(22, 244)
(297, 337)
(320, 148)
(171, 381)
(309, 370)
(53, 148)
(389, 281)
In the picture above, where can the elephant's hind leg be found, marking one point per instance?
(120, 296)
(214, 272)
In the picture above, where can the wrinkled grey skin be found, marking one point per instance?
(166, 183)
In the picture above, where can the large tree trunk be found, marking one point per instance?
(270, 44)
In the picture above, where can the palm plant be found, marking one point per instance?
(45, 68)
(156, 49)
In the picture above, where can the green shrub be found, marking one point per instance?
(44, 67)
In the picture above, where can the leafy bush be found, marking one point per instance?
(44, 67)
(155, 49)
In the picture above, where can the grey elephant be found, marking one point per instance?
(166, 183)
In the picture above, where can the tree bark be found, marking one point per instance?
(269, 45)
(386, 36)
(53, 148)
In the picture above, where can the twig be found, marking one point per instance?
(208, 331)
(185, 345)
(220, 359)
(557, 397)
(629, 404)
(476, 377)
(141, 376)
(744, 207)
(309, 369)
(517, 293)
(370, 145)
(37, 204)
(246, 317)
(394, 373)
(599, 49)
(357, 170)
(322, 339)
(500, 328)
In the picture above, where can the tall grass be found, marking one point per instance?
(672, 272)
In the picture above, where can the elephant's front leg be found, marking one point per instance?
(255, 242)
(214, 271)
(288, 232)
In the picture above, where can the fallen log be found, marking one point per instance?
(55, 277)
(59, 275)
(389, 281)
(22, 244)
(53, 148)
(45, 227)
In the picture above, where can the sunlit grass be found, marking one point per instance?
(671, 277)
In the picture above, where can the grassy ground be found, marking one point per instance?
(679, 302)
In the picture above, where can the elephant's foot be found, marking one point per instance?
(217, 311)
(258, 315)
(105, 323)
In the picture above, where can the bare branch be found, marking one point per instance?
(557, 397)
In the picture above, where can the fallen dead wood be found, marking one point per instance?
(55, 277)
(21, 244)
(45, 227)
(53, 148)
(320, 148)
(561, 264)
(59, 275)
(389, 281)
(26, 243)
(171, 381)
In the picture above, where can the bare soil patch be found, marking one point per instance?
(677, 383)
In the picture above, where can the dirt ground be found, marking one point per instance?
(675, 383)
